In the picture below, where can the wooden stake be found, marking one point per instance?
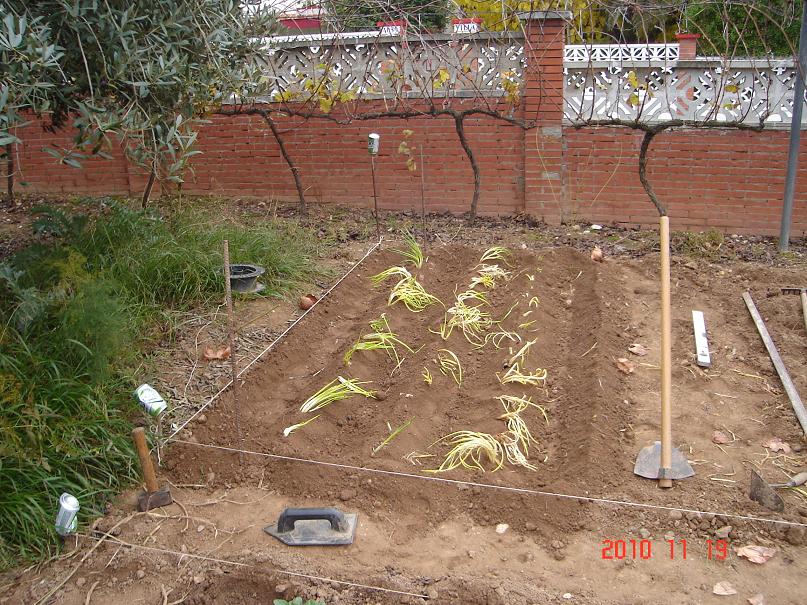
(666, 355)
(776, 359)
(228, 294)
(149, 476)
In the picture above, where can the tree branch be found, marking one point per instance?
(295, 171)
(404, 114)
(646, 140)
(458, 119)
(147, 192)
(668, 124)
(10, 173)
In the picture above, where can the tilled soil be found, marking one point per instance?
(347, 432)
(438, 539)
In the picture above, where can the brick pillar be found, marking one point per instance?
(687, 46)
(544, 191)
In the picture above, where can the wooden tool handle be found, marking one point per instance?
(149, 476)
(666, 353)
(804, 307)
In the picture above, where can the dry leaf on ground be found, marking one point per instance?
(638, 349)
(720, 438)
(756, 554)
(724, 589)
(757, 599)
(775, 444)
(625, 365)
(211, 354)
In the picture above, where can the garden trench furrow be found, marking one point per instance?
(565, 315)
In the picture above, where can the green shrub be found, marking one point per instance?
(75, 312)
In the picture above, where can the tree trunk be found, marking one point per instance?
(458, 118)
(10, 173)
(648, 137)
(295, 171)
(147, 193)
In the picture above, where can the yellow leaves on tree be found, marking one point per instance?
(405, 150)
(588, 22)
(440, 78)
(324, 90)
(511, 86)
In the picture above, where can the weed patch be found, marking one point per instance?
(709, 245)
(78, 310)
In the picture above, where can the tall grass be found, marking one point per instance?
(58, 432)
(174, 263)
(76, 312)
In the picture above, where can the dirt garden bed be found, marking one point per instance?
(348, 431)
(440, 540)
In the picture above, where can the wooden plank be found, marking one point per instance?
(790, 388)
(701, 340)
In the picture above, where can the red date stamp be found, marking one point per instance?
(638, 550)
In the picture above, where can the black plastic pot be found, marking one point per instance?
(243, 278)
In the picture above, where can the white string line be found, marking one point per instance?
(520, 490)
(272, 345)
(295, 574)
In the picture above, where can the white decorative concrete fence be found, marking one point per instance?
(584, 53)
(700, 90)
(486, 64)
(647, 82)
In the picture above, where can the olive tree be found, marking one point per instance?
(141, 74)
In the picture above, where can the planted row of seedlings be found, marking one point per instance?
(471, 314)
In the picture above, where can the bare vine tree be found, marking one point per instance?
(457, 76)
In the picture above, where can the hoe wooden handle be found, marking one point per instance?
(666, 355)
(804, 307)
(149, 476)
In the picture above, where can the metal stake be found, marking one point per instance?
(228, 295)
(375, 198)
(795, 136)
(422, 194)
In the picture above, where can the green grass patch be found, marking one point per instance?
(170, 264)
(78, 311)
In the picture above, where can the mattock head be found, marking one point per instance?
(149, 500)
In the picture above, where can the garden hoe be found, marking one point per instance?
(153, 497)
(661, 460)
(765, 493)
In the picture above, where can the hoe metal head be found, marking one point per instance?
(761, 491)
(648, 464)
(148, 500)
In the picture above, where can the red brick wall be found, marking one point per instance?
(40, 172)
(241, 157)
(729, 179)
